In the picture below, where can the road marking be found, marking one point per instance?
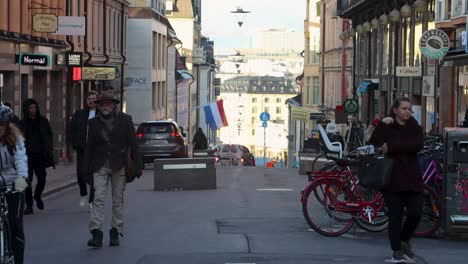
(184, 166)
(275, 190)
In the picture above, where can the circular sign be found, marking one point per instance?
(434, 44)
(351, 106)
(264, 116)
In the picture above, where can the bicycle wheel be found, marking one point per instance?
(6, 253)
(327, 219)
(430, 219)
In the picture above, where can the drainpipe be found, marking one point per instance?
(90, 56)
(104, 19)
(124, 59)
(322, 42)
(8, 15)
(69, 11)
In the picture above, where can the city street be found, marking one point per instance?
(253, 217)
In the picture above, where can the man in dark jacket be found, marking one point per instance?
(39, 149)
(78, 133)
(111, 145)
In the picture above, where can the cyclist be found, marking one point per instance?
(14, 169)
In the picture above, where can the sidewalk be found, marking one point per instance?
(63, 177)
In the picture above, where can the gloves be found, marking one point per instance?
(20, 184)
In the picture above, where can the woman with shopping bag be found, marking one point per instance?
(400, 137)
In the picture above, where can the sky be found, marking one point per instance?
(221, 26)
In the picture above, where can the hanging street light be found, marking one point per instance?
(240, 15)
(395, 15)
(406, 11)
(383, 19)
(420, 6)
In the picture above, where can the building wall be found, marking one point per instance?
(278, 39)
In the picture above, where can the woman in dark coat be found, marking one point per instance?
(401, 138)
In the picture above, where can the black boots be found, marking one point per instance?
(114, 238)
(96, 240)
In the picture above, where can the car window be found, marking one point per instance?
(156, 128)
(229, 148)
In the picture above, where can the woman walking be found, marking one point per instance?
(401, 138)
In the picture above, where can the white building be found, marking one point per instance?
(147, 55)
(278, 39)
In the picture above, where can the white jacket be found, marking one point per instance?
(12, 166)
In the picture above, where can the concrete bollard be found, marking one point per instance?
(184, 174)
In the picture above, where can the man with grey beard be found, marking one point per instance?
(110, 150)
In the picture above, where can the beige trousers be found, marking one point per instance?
(101, 180)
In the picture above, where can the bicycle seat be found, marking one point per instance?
(345, 162)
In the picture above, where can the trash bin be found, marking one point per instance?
(455, 185)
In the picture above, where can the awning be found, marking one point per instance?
(365, 85)
(458, 56)
(296, 100)
(183, 75)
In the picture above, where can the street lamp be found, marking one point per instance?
(395, 15)
(383, 19)
(420, 6)
(406, 11)
(366, 27)
(375, 23)
(359, 29)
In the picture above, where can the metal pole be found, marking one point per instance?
(264, 145)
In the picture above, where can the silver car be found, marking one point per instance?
(160, 139)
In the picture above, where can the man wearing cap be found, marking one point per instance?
(111, 144)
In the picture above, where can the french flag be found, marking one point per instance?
(215, 116)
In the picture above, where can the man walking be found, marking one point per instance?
(78, 132)
(111, 144)
(39, 149)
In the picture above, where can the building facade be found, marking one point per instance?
(277, 40)
(245, 98)
(148, 76)
(311, 78)
(336, 57)
(185, 18)
(386, 42)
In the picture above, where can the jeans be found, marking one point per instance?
(396, 202)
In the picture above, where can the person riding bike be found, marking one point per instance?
(14, 171)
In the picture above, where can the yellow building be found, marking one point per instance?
(245, 98)
(311, 91)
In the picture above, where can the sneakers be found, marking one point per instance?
(39, 203)
(400, 257)
(28, 210)
(83, 201)
(96, 240)
(406, 248)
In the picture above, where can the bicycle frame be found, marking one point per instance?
(367, 209)
(432, 174)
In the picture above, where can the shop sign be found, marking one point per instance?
(428, 86)
(402, 71)
(351, 106)
(27, 59)
(98, 73)
(46, 23)
(76, 74)
(217, 81)
(74, 58)
(60, 59)
(434, 44)
(71, 25)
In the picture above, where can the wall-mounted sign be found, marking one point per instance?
(351, 106)
(74, 58)
(434, 44)
(98, 73)
(61, 59)
(28, 59)
(71, 25)
(46, 23)
(217, 81)
(412, 71)
(316, 116)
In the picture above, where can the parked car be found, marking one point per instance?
(236, 155)
(161, 139)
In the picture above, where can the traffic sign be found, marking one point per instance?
(264, 124)
(317, 116)
(351, 106)
(265, 116)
